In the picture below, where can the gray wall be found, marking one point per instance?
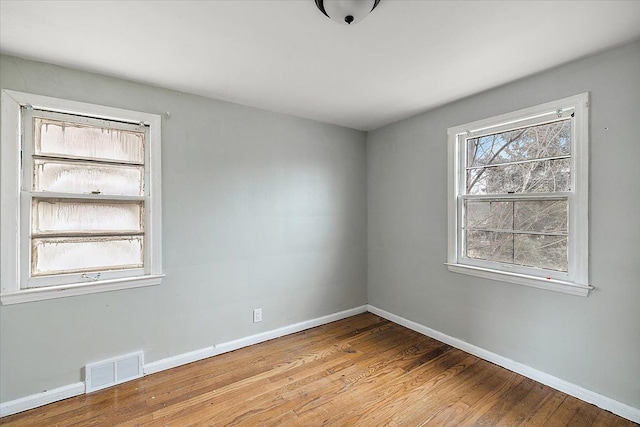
(259, 210)
(593, 342)
(266, 210)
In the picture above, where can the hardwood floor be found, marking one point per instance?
(361, 371)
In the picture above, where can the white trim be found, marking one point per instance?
(522, 279)
(40, 399)
(580, 176)
(193, 356)
(291, 329)
(14, 251)
(64, 392)
(179, 360)
(604, 402)
(74, 107)
(10, 190)
(63, 291)
(153, 223)
(576, 280)
(522, 115)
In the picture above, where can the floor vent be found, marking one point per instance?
(116, 370)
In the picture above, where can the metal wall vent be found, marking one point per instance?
(116, 370)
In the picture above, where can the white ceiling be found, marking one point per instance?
(285, 56)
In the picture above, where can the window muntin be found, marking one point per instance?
(518, 211)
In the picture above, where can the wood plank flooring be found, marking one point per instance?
(361, 371)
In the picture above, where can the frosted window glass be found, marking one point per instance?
(56, 216)
(85, 178)
(69, 139)
(67, 255)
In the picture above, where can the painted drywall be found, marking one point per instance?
(259, 210)
(593, 342)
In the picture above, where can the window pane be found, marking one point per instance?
(544, 216)
(68, 255)
(489, 245)
(85, 178)
(69, 139)
(533, 177)
(489, 215)
(534, 142)
(541, 251)
(55, 216)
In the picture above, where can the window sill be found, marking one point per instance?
(522, 279)
(63, 291)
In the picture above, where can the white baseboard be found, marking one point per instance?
(193, 356)
(40, 399)
(64, 392)
(291, 329)
(604, 402)
(179, 359)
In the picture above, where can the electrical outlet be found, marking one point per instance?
(257, 315)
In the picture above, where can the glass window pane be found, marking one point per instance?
(549, 252)
(86, 178)
(545, 216)
(484, 214)
(533, 177)
(69, 255)
(69, 139)
(56, 216)
(534, 142)
(489, 245)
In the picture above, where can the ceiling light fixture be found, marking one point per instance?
(347, 11)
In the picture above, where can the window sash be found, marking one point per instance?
(49, 222)
(28, 195)
(108, 253)
(533, 198)
(515, 268)
(127, 133)
(515, 121)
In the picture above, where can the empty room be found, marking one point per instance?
(319, 213)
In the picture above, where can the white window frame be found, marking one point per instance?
(17, 286)
(575, 280)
